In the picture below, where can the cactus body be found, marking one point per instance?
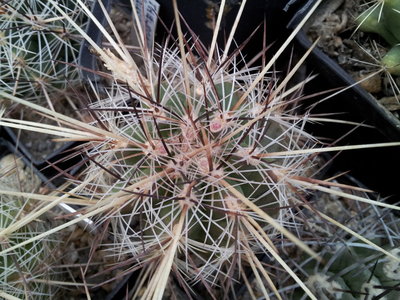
(351, 269)
(189, 157)
(391, 60)
(355, 274)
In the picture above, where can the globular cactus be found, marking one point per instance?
(355, 272)
(191, 157)
(350, 268)
(383, 18)
(37, 47)
(24, 272)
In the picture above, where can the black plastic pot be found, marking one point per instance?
(376, 168)
(88, 60)
(7, 147)
(52, 164)
(198, 16)
(52, 173)
(372, 167)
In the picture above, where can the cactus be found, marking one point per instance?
(36, 47)
(383, 18)
(355, 272)
(24, 271)
(350, 268)
(188, 164)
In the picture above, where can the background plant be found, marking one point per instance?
(38, 62)
(350, 269)
(38, 49)
(24, 272)
(383, 18)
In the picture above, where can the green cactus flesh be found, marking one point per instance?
(355, 273)
(384, 19)
(391, 60)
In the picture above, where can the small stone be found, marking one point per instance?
(71, 255)
(372, 85)
(391, 103)
(14, 175)
(76, 234)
